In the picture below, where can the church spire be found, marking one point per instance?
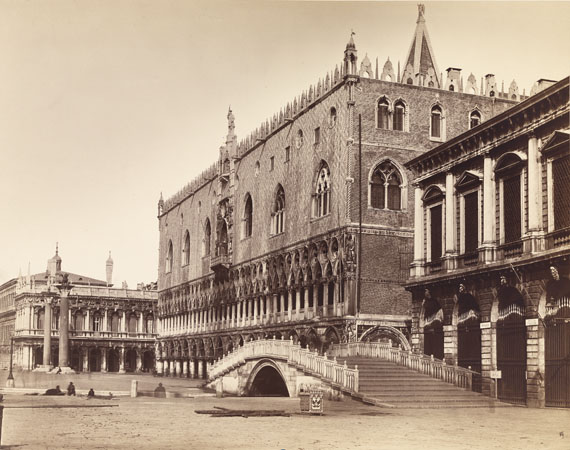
(420, 67)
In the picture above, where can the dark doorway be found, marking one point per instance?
(511, 358)
(113, 360)
(268, 383)
(76, 360)
(557, 359)
(39, 356)
(433, 339)
(131, 360)
(94, 360)
(469, 348)
(148, 361)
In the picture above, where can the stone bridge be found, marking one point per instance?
(279, 367)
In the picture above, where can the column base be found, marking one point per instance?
(43, 368)
(122, 371)
(487, 253)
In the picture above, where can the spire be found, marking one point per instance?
(420, 62)
(109, 270)
(350, 56)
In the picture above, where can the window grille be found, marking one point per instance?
(399, 113)
(561, 192)
(386, 187)
(471, 219)
(436, 232)
(512, 208)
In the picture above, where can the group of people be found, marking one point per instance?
(70, 391)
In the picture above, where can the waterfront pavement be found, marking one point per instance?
(39, 422)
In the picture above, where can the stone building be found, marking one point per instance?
(490, 276)
(109, 329)
(7, 317)
(304, 229)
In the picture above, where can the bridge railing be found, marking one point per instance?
(329, 370)
(428, 365)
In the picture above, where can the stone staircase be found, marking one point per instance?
(384, 383)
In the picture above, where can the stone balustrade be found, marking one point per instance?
(328, 370)
(425, 364)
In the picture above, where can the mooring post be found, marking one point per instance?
(1, 417)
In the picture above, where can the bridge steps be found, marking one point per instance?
(386, 384)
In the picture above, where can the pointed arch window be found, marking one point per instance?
(169, 253)
(474, 119)
(186, 249)
(323, 192)
(278, 213)
(383, 113)
(399, 115)
(207, 238)
(248, 217)
(436, 122)
(386, 187)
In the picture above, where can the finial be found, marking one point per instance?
(56, 248)
(421, 10)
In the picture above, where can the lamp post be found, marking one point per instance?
(10, 380)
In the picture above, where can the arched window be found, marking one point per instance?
(278, 213)
(332, 117)
(322, 194)
(399, 115)
(169, 258)
(207, 237)
(436, 122)
(474, 119)
(383, 107)
(386, 187)
(248, 217)
(186, 249)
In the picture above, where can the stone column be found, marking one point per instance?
(200, 368)
(535, 393)
(255, 311)
(316, 298)
(489, 239)
(64, 328)
(487, 387)
(450, 223)
(417, 269)
(185, 368)
(47, 332)
(87, 326)
(450, 344)
(104, 360)
(275, 300)
(178, 368)
(282, 306)
(105, 326)
(85, 358)
(159, 367)
(325, 298)
(192, 368)
(122, 360)
(298, 302)
(124, 322)
(139, 360)
(290, 303)
(140, 324)
(306, 314)
(533, 185)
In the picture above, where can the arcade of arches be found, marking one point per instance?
(306, 294)
(514, 323)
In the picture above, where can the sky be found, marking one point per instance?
(106, 104)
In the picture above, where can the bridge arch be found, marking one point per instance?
(383, 331)
(266, 379)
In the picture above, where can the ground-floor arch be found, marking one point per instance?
(266, 380)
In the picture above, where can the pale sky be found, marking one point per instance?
(106, 104)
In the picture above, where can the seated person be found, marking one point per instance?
(54, 391)
(160, 391)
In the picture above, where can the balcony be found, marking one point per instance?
(221, 261)
(511, 250)
(89, 334)
(558, 238)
